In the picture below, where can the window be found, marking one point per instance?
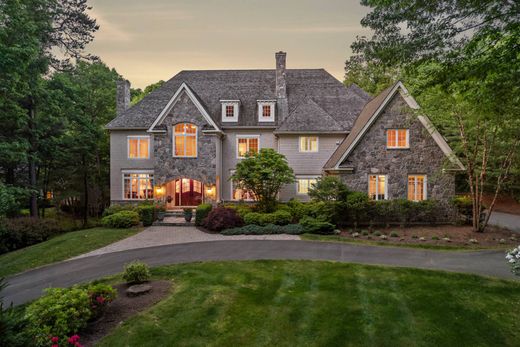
(303, 184)
(230, 110)
(416, 187)
(138, 147)
(240, 194)
(247, 144)
(185, 140)
(308, 143)
(377, 188)
(397, 138)
(266, 111)
(137, 186)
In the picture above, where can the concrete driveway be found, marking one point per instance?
(505, 220)
(29, 285)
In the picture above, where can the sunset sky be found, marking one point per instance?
(147, 41)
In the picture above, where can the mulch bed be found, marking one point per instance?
(121, 308)
(433, 235)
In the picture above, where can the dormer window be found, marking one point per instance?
(266, 110)
(230, 110)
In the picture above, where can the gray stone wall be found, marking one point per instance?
(167, 167)
(423, 157)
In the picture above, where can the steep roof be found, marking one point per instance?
(309, 117)
(370, 112)
(210, 86)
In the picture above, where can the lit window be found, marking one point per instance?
(230, 110)
(241, 194)
(247, 144)
(138, 147)
(417, 187)
(266, 111)
(304, 184)
(397, 138)
(137, 186)
(308, 143)
(185, 140)
(377, 187)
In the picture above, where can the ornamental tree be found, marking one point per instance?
(263, 174)
(328, 188)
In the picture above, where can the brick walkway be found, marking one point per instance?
(169, 235)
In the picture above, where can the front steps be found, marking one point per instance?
(175, 218)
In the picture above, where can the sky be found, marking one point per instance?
(146, 41)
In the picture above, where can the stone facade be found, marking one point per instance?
(424, 156)
(202, 168)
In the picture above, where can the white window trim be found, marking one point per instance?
(304, 178)
(425, 186)
(123, 172)
(377, 186)
(236, 107)
(407, 146)
(261, 104)
(185, 135)
(138, 137)
(246, 137)
(304, 151)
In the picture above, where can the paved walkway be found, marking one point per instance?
(505, 220)
(29, 285)
(168, 235)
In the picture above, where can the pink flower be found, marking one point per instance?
(55, 339)
(100, 299)
(55, 345)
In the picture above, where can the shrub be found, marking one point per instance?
(60, 312)
(202, 212)
(513, 257)
(404, 210)
(136, 272)
(315, 226)
(464, 206)
(277, 218)
(253, 229)
(12, 325)
(100, 296)
(377, 233)
(328, 188)
(315, 209)
(221, 218)
(123, 219)
(25, 231)
(394, 234)
(357, 205)
(146, 214)
(118, 208)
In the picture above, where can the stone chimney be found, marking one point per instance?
(281, 85)
(122, 96)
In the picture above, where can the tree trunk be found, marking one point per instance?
(85, 192)
(33, 199)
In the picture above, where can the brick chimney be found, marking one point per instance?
(281, 85)
(122, 96)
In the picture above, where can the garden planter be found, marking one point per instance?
(188, 215)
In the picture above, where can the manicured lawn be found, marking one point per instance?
(305, 303)
(391, 243)
(60, 248)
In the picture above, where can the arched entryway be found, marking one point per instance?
(184, 192)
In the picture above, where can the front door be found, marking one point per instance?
(184, 192)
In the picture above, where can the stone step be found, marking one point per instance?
(172, 224)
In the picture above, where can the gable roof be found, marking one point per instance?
(248, 86)
(308, 117)
(370, 113)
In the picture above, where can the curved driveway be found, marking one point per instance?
(29, 285)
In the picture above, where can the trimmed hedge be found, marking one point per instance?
(278, 218)
(146, 214)
(253, 229)
(123, 219)
(202, 212)
(221, 218)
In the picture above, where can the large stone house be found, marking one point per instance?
(181, 143)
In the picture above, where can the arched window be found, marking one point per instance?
(185, 140)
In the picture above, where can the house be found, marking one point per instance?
(181, 143)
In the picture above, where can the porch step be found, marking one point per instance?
(174, 221)
(172, 224)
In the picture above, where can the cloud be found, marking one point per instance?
(109, 32)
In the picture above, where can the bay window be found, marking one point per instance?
(185, 140)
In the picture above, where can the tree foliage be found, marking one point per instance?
(328, 188)
(264, 174)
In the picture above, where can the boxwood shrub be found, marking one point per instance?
(123, 219)
(136, 272)
(253, 229)
(202, 212)
(278, 218)
(316, 226)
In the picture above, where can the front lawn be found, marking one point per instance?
(60, 248)
(305, 303)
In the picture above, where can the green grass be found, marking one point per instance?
(306, 303)
(60, 248)
(390, 243)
